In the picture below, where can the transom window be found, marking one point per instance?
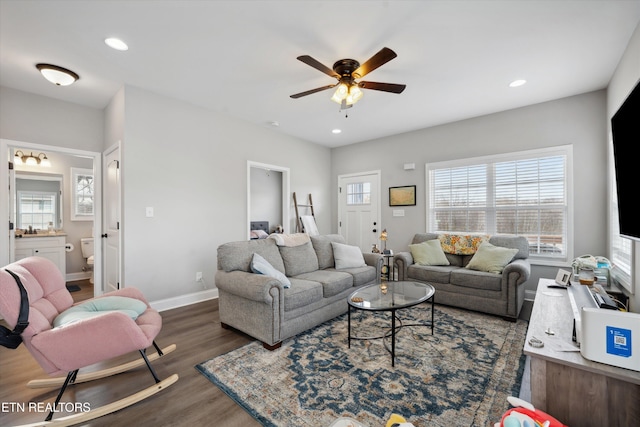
(359, 193)
(522, 193)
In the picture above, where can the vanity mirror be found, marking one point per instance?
(38, 201)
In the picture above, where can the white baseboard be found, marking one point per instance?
(83, 275)
(529, 295)
(182, 300)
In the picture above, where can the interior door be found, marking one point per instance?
(359, 209)
(112, 220)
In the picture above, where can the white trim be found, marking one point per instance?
(82, 275)
(184, 300)
(286, 200)
(5, 252)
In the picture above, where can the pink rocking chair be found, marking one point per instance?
(88, 339)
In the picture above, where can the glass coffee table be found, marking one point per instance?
(390, 296)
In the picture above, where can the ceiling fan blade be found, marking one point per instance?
(309, 92)
(382, 57)
(318, 66)
(385, 87)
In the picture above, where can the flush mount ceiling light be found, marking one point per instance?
(57, 75)
(30, 160)
(116, 44)
(517, 83)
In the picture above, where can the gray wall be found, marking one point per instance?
(577, 120)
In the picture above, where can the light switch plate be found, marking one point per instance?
(149, 212)
(398, 212)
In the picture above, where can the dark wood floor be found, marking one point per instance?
(192, 401)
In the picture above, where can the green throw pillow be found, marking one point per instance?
(428, 253)
(490, 258)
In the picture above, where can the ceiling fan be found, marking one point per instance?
(346, 71)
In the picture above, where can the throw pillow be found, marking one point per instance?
(130, 306)
(259, 265)
(428, 253)
(347, 256)
(490, 258)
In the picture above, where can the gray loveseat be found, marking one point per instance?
(260, 305)
(492, 293)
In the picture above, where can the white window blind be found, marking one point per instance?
(520, 193)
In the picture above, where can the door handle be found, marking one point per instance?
(374, 230)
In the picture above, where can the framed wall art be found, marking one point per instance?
(402, 196)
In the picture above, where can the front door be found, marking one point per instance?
(359, 209)
(112, 225)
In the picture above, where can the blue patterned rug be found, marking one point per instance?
(460, 376)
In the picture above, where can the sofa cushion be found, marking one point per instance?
(428, 253)
(476, 279)
(260, 265)
(462, 244)
(238, 255)
(299, 259)
(430, 273)
(324, 251)
(491, 259)
(302, 293)
(333, 282)
(362, 275)
(347, 256)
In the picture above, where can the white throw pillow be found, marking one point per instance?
(259, 265)
(347, 256)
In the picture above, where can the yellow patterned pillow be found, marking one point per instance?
(462, 244)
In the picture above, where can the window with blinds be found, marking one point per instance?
(523, 193)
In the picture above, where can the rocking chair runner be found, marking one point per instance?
(68, 348)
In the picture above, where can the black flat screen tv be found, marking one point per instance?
(625, 129)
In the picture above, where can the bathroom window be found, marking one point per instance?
(81, 194)
(36, 209)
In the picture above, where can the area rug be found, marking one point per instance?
(459, 376)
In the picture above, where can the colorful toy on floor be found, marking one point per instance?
(523, 414)
(396, 420)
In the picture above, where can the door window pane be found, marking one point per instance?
(359, 193)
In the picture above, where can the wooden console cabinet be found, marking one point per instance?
(576, 391)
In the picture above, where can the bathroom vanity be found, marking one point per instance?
(47, 246)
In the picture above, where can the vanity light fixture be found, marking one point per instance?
(30, 160)
(57, 75)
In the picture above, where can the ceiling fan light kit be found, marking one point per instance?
(346, 71)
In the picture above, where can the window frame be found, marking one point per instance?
(75, 215)
(562, 150)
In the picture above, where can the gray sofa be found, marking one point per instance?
(263, 308)
(499, 294)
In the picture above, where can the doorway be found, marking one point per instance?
(359, 209)
(7, 194)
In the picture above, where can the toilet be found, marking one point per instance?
(87, 252)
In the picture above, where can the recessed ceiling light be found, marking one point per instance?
(517, 83)
(336, 131)
(116, 44)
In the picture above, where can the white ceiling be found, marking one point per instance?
(239, 57)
